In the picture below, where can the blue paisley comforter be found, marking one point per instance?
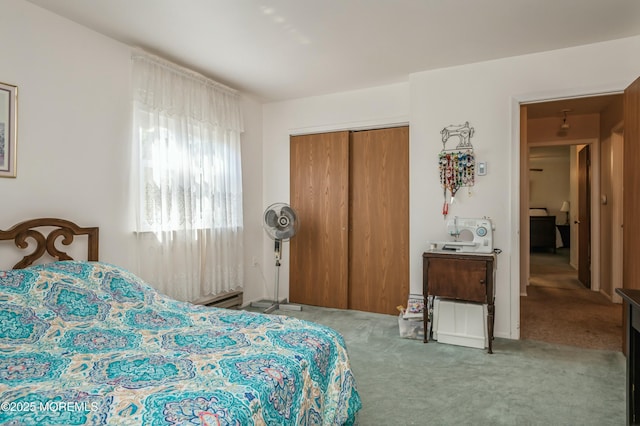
(90, 343)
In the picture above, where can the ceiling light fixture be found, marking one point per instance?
(564, 127)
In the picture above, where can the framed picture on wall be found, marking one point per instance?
(8, 129)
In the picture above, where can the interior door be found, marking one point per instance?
(584, 218)
(379, 220)
(631, 199)
(318, 266)
(631, 188)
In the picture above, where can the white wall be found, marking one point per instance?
(252, 196)
(74, 132)
(73, 125)
(485, 94)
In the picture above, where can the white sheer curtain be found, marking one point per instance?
(189, 180)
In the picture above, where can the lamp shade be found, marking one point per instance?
(565, 206)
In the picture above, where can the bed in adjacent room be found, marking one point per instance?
(85, 342)
(543, 233)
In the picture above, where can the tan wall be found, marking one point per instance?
(549, 184)
(611, 117)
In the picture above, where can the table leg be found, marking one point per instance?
(490, 323)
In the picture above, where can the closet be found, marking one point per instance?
(351, 192)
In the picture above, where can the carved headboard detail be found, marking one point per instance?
(46, 243)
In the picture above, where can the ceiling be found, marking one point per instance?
(284, 49)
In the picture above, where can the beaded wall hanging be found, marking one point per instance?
(457, 165)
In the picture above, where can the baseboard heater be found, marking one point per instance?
(228, 300)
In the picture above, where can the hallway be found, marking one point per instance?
(558, 309)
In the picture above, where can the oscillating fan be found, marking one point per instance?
(280, 222)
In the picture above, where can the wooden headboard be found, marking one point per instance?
(46, 243)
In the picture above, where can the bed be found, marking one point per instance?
(87, 342)
(543, 233)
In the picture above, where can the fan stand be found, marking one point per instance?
(275, 304)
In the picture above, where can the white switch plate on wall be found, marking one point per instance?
(482, 168)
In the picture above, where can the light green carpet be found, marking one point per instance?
(406, 382)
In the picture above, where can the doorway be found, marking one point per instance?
(585, 126)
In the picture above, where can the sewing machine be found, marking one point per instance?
(470, 235)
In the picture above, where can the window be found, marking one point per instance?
(184, 183)
(188, 177)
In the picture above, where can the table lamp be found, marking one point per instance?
(565, 208)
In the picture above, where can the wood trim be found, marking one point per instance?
(525, 236)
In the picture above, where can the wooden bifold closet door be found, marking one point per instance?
(351, 191)
(318, 261)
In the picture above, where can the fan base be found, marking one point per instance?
(273, 305)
